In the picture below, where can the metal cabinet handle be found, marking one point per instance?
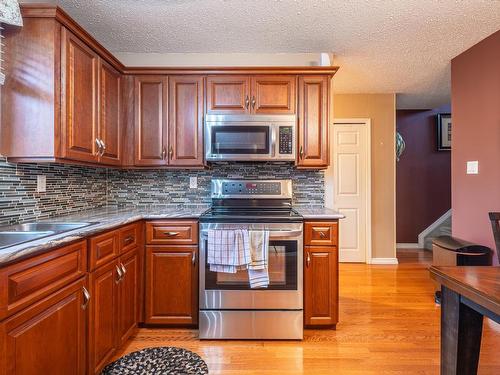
(86, 298)
(247, 102)
(163, 153)
(308, 259)
(253, 102)
(170, 152)
(193, 259)
(103, 147)
(171, 233)
(128, 240)
(120, 274)
(301, 152)
(99, 147)
(124, 270)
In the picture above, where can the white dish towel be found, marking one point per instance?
(228, 250)
(258, 272)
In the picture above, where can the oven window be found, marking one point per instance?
(282, 269)
(240, 140)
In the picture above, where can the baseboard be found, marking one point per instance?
(384, 261)
(408, 245)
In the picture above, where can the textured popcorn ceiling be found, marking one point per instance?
(381, 46)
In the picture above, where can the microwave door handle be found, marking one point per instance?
(273, 143)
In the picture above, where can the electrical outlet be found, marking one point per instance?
(473, 167)
(193, 182)
(41, 184)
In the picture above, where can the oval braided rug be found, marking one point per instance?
(158, 361)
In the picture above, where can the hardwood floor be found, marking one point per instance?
(388, 324)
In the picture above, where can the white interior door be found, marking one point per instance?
(351, 188)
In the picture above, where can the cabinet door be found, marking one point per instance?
(313, 121)
(79, 69)
(48, 337)
(172, 285)
(273, 94)
(103, 312)
(109, 113)
(228, 94)
(320, 286)
(128, 296)
(186, 120)
(151, 138)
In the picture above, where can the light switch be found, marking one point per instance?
(193, 182)
(41, 184)
(473, 167)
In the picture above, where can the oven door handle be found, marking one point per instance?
(274, 233)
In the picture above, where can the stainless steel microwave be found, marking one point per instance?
(250, 137)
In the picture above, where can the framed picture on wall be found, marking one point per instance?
(444, 132)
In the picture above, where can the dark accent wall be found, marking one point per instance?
(72, 188)
(423, 174)
(475, 100)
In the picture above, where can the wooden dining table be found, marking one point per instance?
(468, 294)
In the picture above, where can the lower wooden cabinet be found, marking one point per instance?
(113, 308)
(171, 285)
(320, 285)
(48, 337)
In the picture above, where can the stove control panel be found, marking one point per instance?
(251, 188)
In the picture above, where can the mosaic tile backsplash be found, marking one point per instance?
(73, 188)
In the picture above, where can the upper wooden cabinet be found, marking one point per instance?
(79, 77)
(245, 94)
(185, 146)
(151, 125)
(110, 113)
(313, 121)
(273, 94)
(228, 94)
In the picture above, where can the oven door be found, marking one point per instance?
(232, 291)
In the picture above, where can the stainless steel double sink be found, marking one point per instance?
(20, 233)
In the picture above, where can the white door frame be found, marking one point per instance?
(368, 179)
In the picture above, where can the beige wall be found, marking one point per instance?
(381, 109)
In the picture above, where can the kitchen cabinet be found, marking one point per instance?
(110, 123)
(185, 145)
(48, 337)
(79, 118)
(151, 125)
(172, 285)
(128, 299)
(247, 94)
(320, 274)
(103, 315)
(228, 94)
(313, 121)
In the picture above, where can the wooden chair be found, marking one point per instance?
(495, 224)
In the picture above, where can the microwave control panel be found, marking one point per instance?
(285, 140)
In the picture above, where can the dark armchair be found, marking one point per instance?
(495, 224)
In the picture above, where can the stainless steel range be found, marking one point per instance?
(229, 308)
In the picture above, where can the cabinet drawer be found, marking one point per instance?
(321, 233)
(103, 248)
(32, 279)
(172, 232)
(129, 237)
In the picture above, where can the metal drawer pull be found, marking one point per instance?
(308, 260)
(124, 270)
(86, 298)
(171, 233)
(128, 240)
(193, 259)
(120, 274)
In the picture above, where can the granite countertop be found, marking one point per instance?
(319, 213)
(111, 217)
(104, 218)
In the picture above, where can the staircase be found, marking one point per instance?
(441, 227)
